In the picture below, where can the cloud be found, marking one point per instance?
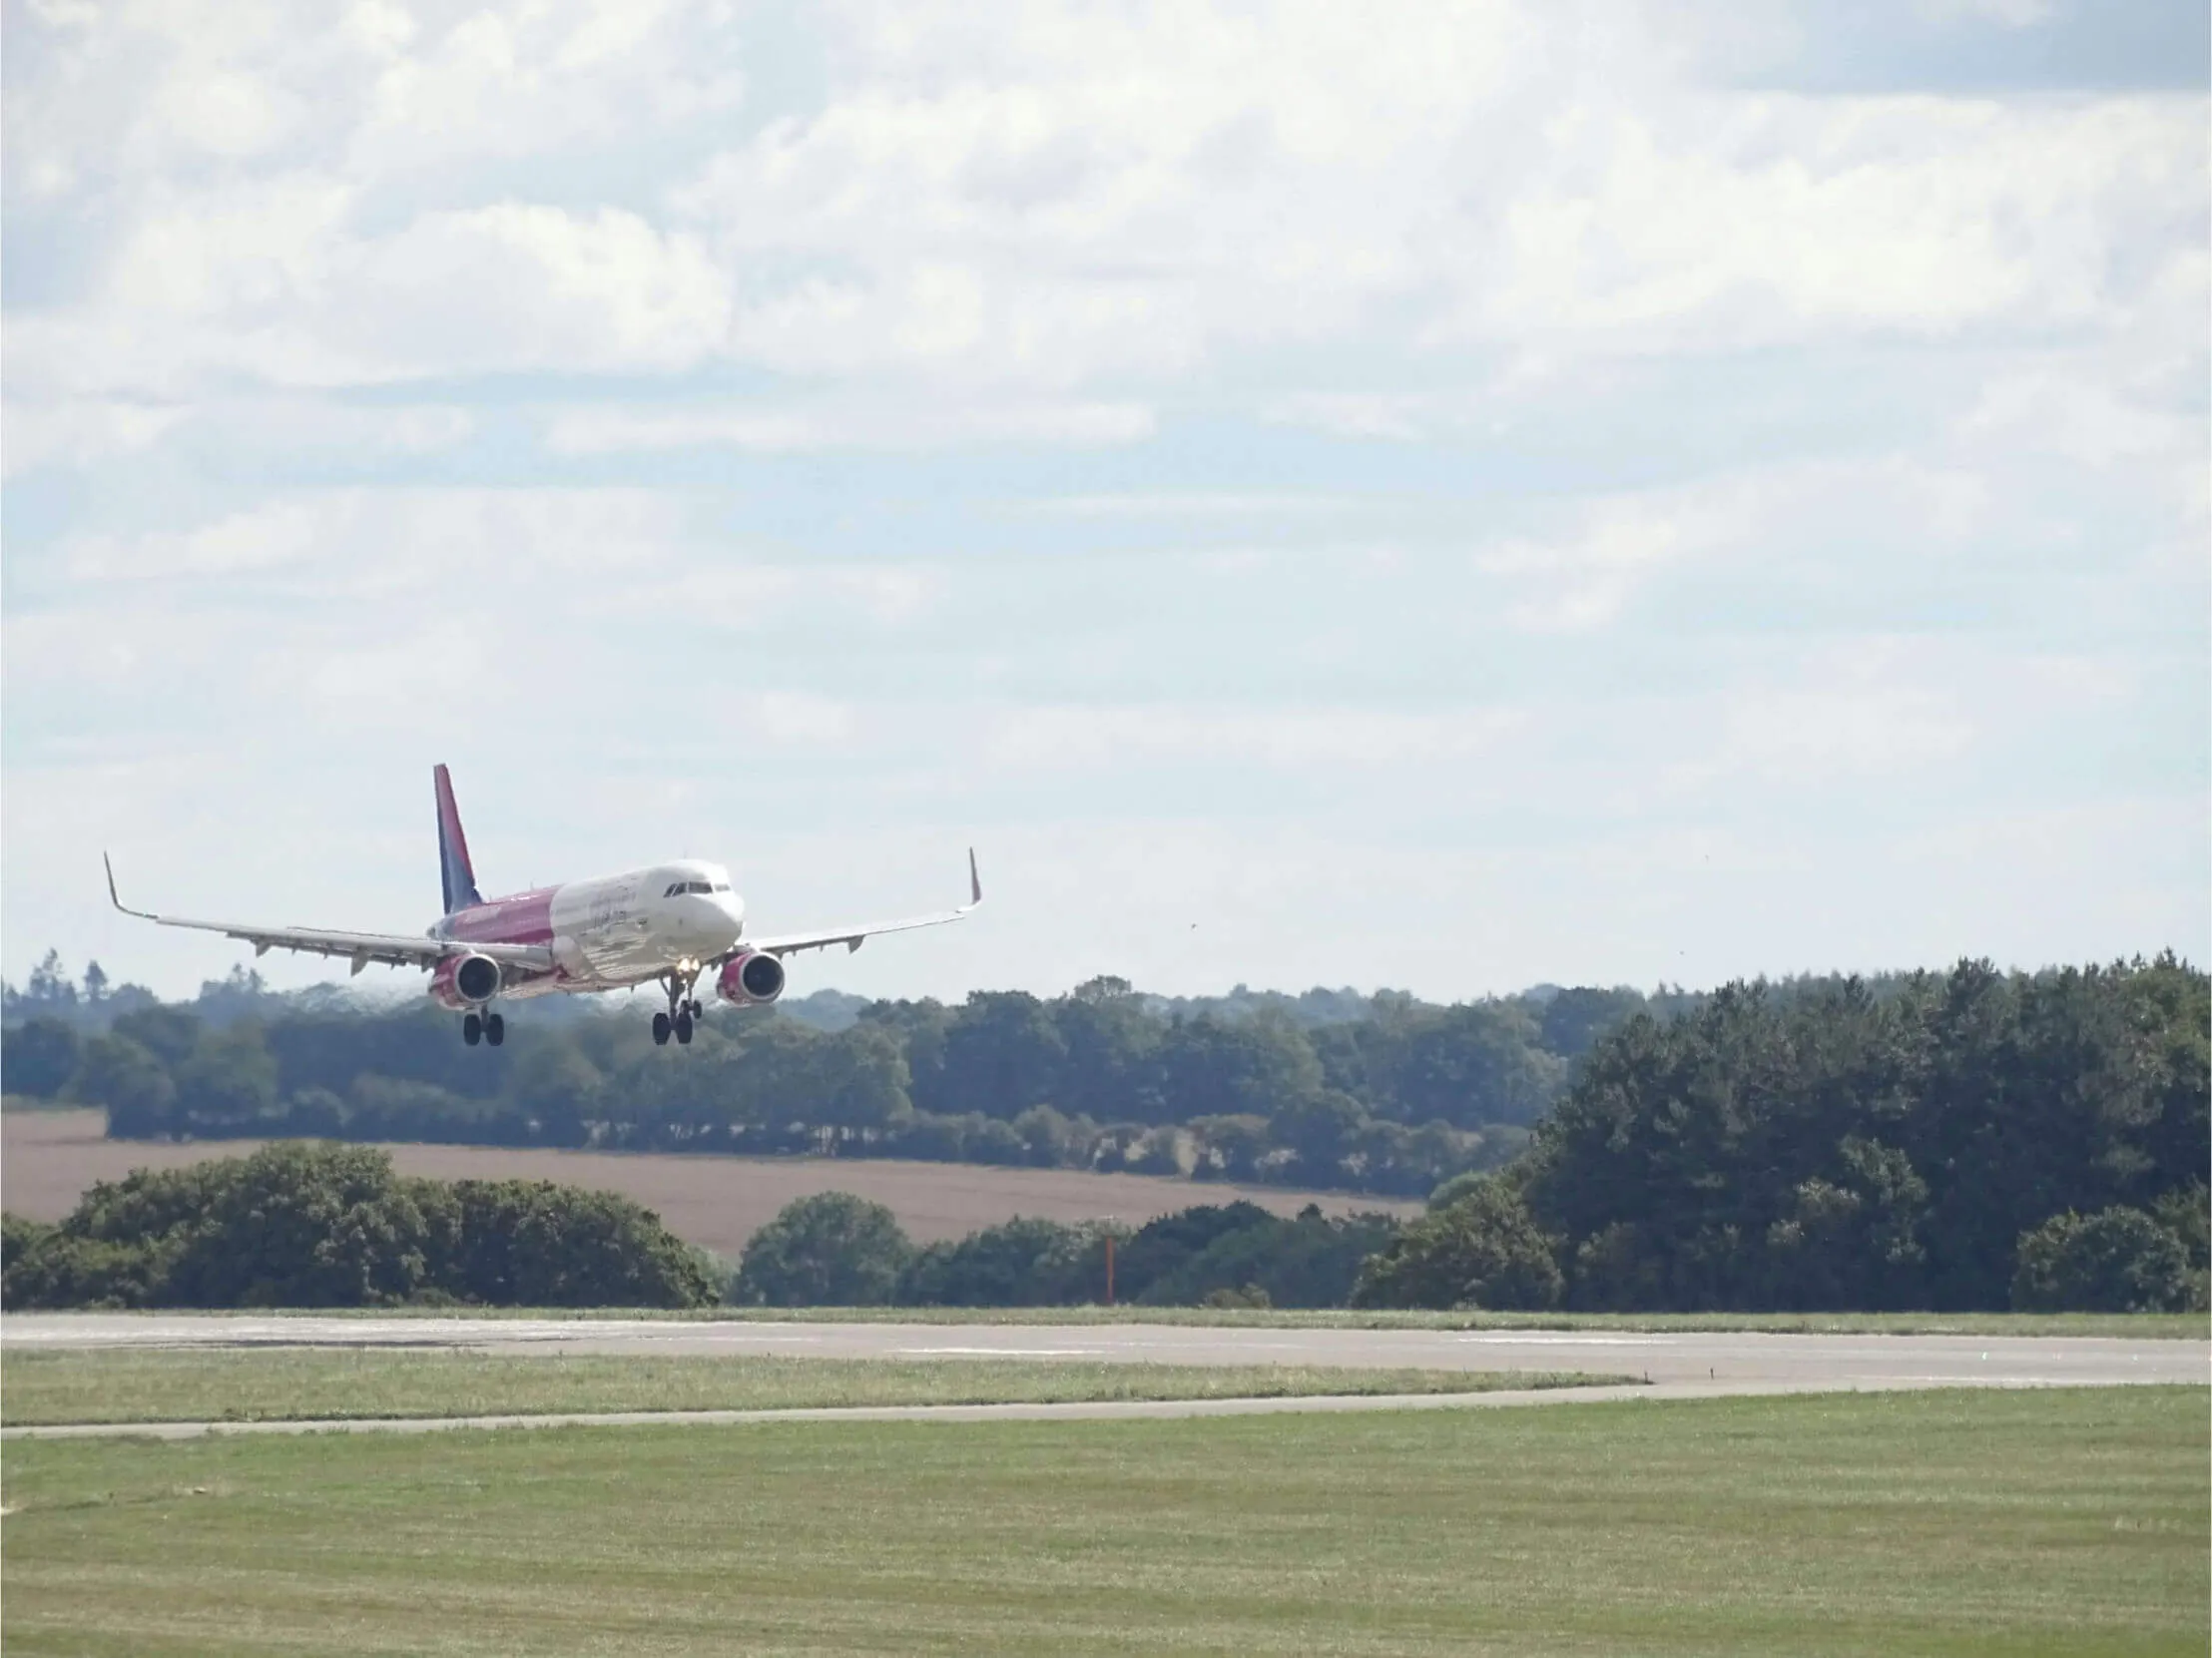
(1109, 738)
(1583, 486)
(799, 426)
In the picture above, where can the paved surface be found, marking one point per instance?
(1711, 1362)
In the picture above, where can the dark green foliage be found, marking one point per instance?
(1023, 1263)
(836, 1250)
(19, 1235)
(1387, 1095)
(125, 1076)
(2118, 1260)
(299, 1224)
(38, 1057)
(530, 1242)
(1838, 1145)
(829, 1249)
(1481, 1250)
(1162, 1245)
(1470, 1065)
(1811, 1144)
(168, 1033)
(1311, 1261)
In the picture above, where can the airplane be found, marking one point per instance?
(672, 922)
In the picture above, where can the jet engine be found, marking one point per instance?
(750, 979)
(465, 981)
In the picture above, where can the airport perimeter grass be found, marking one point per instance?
(1953, 1521)
(316, 1383)
(2135, 1327)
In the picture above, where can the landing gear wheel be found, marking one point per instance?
(661, 1028)
(495, 1028)
(683, 1027)
(696, 1011)
(472, 1030)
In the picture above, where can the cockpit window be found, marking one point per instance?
(722, 886)
(683, 886)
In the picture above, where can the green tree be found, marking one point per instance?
(38, 1057)
(531, 1243)
(2118, 1260)
(555, 1085)
(1112, 1064)
(1485, 1250)
(1320, 1132)
(1050, 1141)
(1228, 1148)
(860, 1082)
(1470, 1065)
(1025, 1261)
(1003, 1055)
(124, 1076)
(1310, 1260)
(168, 1033)
(1251, 1067)
(301, 1225)
(1572, 1021)
(829, 1249)
(228, 1083)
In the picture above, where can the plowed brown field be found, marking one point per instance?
(48, 1157)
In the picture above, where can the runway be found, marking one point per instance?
(1666, 1364)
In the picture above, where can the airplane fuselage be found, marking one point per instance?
(604, 933)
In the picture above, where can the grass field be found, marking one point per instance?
(1946, 1523)
(294, 1383)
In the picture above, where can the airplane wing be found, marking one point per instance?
(853, 937)
(392, 949)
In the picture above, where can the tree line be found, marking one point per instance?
(1972, 1139)
(1969, 1140)
(837, 1250)
(1288, 1091)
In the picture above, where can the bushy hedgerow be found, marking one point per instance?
(297, 1225)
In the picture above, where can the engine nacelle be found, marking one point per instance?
(465, 981)
(750, 980)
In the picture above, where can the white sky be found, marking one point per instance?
(1534, 491)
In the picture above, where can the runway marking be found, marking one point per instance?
(998, 1353)
(1561, 1338)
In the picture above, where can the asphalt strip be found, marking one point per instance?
(1098, 1410)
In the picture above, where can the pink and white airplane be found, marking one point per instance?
(669, 923)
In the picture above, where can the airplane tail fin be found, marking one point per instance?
(454, 869)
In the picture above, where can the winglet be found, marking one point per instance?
(974, 880)
(117, 902)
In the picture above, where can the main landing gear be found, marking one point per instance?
(683, 1010)
(490, 1027)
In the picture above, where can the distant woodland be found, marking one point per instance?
(1966, 1139)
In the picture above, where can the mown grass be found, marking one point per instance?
(2120, 1326)
(311, 1383)
(1946, 1523)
